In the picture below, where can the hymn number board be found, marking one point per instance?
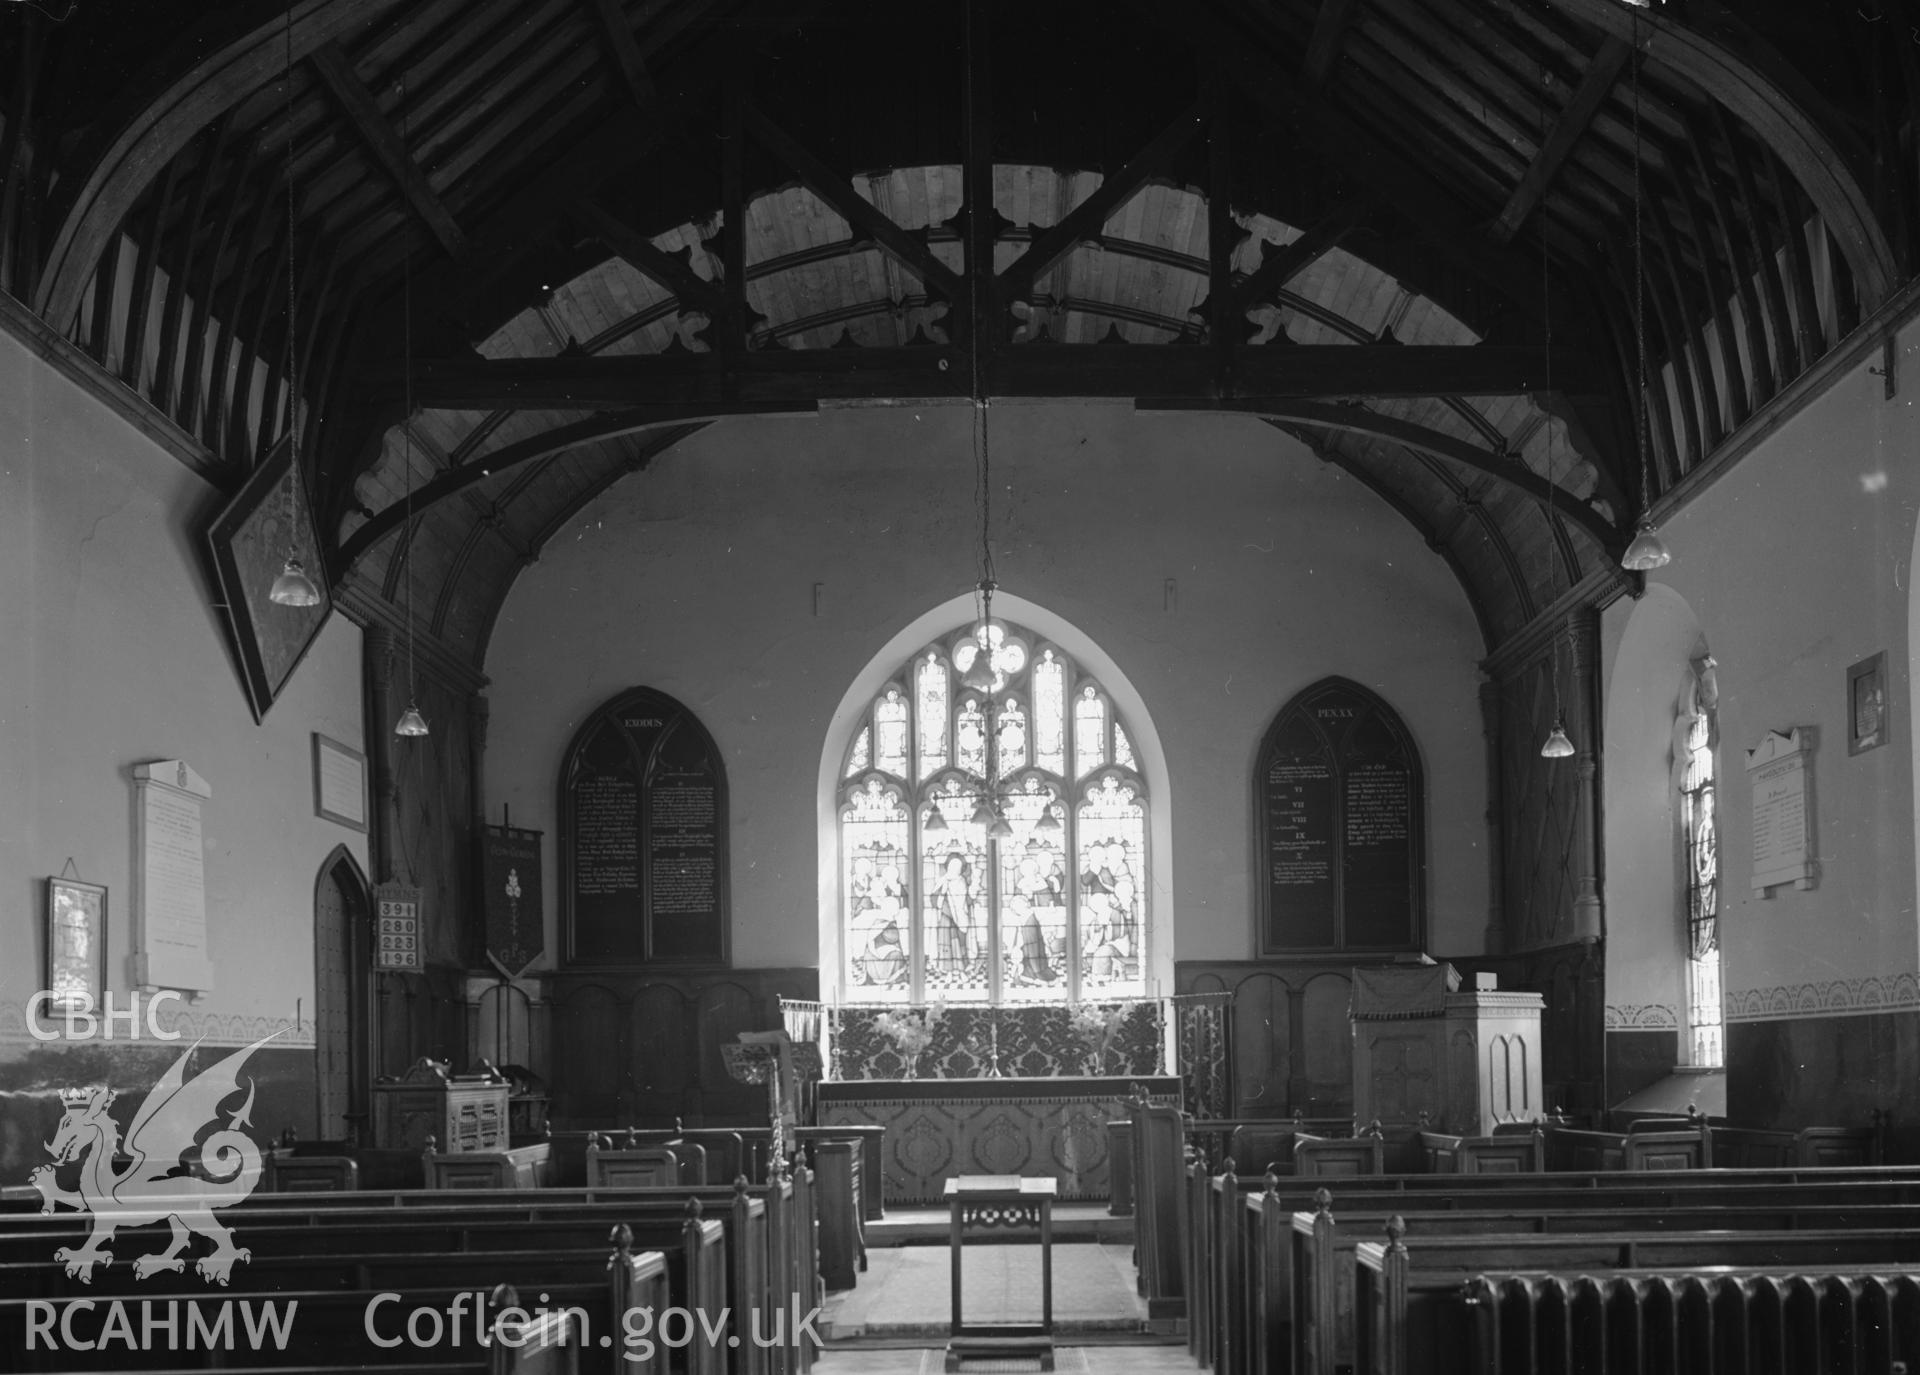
(1339, 802)
(643, 810)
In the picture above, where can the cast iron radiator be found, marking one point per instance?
(1741, 1322)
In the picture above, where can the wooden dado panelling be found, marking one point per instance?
(1291, 1045)
(642, 1049)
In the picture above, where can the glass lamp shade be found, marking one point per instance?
(411, 722)
(1647, 552)
(293, 587)
(985, 814)
(1000, 829)
(1558, 746)
(1048, 821)
(979, 674)
(935, 821)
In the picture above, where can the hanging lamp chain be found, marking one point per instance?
(293, 387)
(1639, 295)
(1546, 315)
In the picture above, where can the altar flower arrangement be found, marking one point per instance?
(1096, 1027)
(911, 1032)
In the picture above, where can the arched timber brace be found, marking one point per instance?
(150, 130)
(1703, 51)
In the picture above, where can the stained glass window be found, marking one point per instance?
(1700, 833)
(890, 733)
(1050, 713)
(934, 906)
(873, 843)
(931, 685)
(1110, 855)
(1089, 731)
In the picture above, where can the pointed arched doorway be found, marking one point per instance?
(342, 1039)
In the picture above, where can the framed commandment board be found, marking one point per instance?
(267, 519)
(643, 838)
(1339, 802)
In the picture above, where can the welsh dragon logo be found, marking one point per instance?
(159, 1183)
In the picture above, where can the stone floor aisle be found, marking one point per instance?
(894, 1322)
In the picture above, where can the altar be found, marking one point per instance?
(940, 1129)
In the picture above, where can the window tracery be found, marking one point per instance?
(937, 907)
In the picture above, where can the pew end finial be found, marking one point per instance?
(1396, 1234)
(622, 1238)
(1322, 1201)
(1273, 1184)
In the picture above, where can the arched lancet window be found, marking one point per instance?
(993, 831)
(1696, 733)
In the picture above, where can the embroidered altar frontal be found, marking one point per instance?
(940, 1129)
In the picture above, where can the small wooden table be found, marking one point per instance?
(990, 1201)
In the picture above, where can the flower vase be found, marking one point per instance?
(909, 1066)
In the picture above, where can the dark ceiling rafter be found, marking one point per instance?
(1774, 106)
(1016, 280)
(672, 273)
(383, 141)
(1438, 142)
(1281, 265)
(579, 382)
(625, 53)
(1568, 128)
(150, 129)
(1329, 29)
(866, 219)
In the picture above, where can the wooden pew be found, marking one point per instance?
(1506, 1154)
(843, 1242)
(1688, 1148)
(347, 1311)
(694, 1162)
(287, 1172)
(772, 1267)
(1409, 1303)
(1749, 1148)
(1161, 1237)
(1256, 1317)
(1321, 1155)
(872, 1139)
(518, 1167)
(631, 1167)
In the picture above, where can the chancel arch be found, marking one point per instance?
(909, 742)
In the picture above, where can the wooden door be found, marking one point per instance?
(341, 917)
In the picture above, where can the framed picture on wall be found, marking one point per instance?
(1867, 724)
(76, 943)
(339, 782)
(269, 519)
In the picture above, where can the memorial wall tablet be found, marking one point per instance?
(643, 806)
(1339, 804)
